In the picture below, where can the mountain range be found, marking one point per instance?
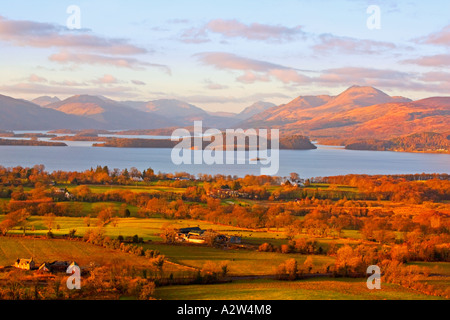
(97, 112)
(365, 112)
(18, 114)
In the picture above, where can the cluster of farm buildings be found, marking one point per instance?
(198, 236)
(225, 192)
(46, 267)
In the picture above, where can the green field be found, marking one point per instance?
(150, 228)
(132, 188)
(309, 289)
(240, 262)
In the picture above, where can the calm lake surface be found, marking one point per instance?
(325, 161)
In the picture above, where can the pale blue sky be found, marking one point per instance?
(223, 55)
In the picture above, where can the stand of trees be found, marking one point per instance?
(419, 142)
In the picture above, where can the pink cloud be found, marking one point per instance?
(236, 29)
(106, 79)
(251, 77)
(59, 89)
(289, 76)
(439, 60)
(223, 60)
(138, 82)
(355, 73)
(329, 42)
(214, 86)
(195, 35)
(384, 78)
(36, 78)
(120, 62)
(69, 83)
(436, 77)
(254, 31)
(253, 70)
(46, 35)
(441, 38)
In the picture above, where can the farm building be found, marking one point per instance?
(25, 264)
(189, 230)
(59, 266)
(235, 240)
(193, 235)
(195, 239)
(197, 235)
(56, 266)
(44, 268)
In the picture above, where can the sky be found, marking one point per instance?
(223, 55)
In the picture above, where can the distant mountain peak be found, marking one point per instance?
(83, 98)
(360, 96)
(363, 90)
(45, 100)
(157, 105)
(254, 109)
(174, 108)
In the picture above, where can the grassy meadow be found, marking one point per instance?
(308, 289)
